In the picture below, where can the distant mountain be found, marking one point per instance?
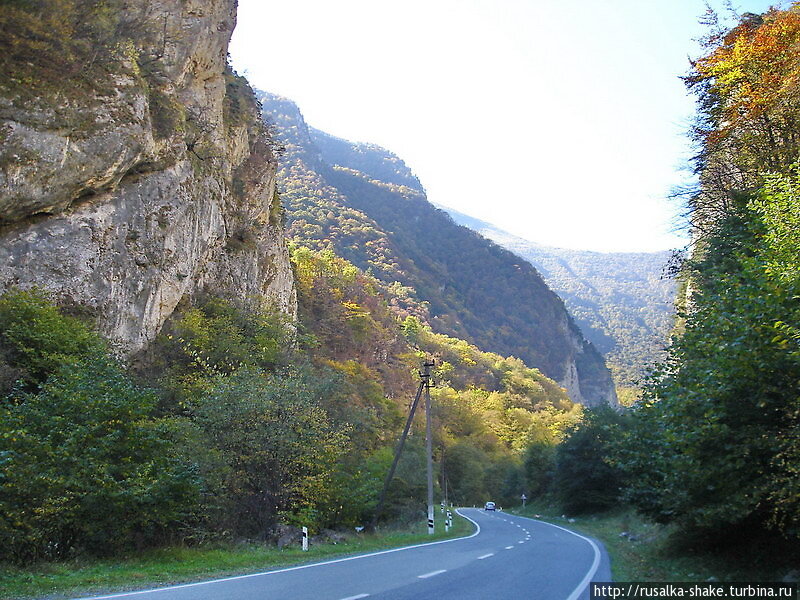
(620, 300)
(363, 203)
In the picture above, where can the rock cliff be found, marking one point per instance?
(135, 170)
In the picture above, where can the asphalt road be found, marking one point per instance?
(507, 557)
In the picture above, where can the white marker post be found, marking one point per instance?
(305, 539)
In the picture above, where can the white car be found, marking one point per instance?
(489, 506)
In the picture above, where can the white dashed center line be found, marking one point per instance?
(509, 547)
(486, 556)
(432, 573)
(356, 597)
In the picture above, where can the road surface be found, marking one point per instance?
(508, 557)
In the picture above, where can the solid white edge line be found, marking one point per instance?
(595, 563)
(287, 569)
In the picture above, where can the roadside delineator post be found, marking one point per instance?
(305, 539)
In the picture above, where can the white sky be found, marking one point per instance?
(561, 121)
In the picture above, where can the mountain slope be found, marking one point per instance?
(364, 204)
(620, 300)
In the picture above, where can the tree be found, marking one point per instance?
(746, 85)
(36, 339)
(714, 445)
(217, 337)
(539, 467)
(585, 478)
(277, 443)
(86, 466)
(466, 472)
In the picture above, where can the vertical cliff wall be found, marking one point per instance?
(134, 166)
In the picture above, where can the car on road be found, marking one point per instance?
(489, 506)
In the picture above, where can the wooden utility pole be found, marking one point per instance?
(426, 378)
(424, 384)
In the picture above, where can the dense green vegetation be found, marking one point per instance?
(721, 416)
(488, 408)
(712, 449)
(728, 396)
(247, 422)
(88, 465)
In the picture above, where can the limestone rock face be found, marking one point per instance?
(155, 184)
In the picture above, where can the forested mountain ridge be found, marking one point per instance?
(371, 160)
(372, 211)
(622, 301)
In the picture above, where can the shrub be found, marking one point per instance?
(585, 478)
(36, 339)
(277, 443)
(218, 337)
(85, 467)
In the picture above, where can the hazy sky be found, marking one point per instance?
(561, 121)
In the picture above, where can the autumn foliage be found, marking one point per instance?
(747, 86)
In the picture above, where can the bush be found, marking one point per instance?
(715, 445)
(36, 340)
(277, 444)
(85, 467)
(585, 478)
(218, 337)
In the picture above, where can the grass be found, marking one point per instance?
(652, 552)
(166, 566)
